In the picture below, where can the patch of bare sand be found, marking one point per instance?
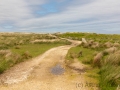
(45, 40)
(36, 74)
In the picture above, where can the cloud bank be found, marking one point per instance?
(101, 16)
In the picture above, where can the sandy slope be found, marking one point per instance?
(36, 74)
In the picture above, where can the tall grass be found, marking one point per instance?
(110, 72)
(109, 69)
(108, 63)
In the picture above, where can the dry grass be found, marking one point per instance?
(95, 45)
(116, 44)
(110, 75)
(91, 44)
(107, 56)
(108, 44)
(17, 47)
(113, 59)
(110, 50)
(5, 52)
(97, 59)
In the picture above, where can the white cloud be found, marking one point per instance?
(35, 2)
(16, 10)
(99, 11)
(13, 10)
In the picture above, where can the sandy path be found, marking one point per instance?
(36, 74)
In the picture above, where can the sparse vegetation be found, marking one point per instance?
(110, 72)
(101, 52)
(17, 47)
(101, 38)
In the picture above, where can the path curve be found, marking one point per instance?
(36, 73)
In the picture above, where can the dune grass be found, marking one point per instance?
(21, 49)
(25, 52)
(108, 74)
(87, 54)
(102, 38)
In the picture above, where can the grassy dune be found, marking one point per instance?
(102, 38)
(102, 53)
(17, 47)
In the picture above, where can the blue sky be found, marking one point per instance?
(100, 16)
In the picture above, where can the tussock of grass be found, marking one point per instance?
(110, 72)
(108, 44)
(108, 61)
(97, 59)
(109, 77)
(110, 50)
(116, 44)
(4, 52)
(113, 59)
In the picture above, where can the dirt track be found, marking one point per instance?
(36, 74)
